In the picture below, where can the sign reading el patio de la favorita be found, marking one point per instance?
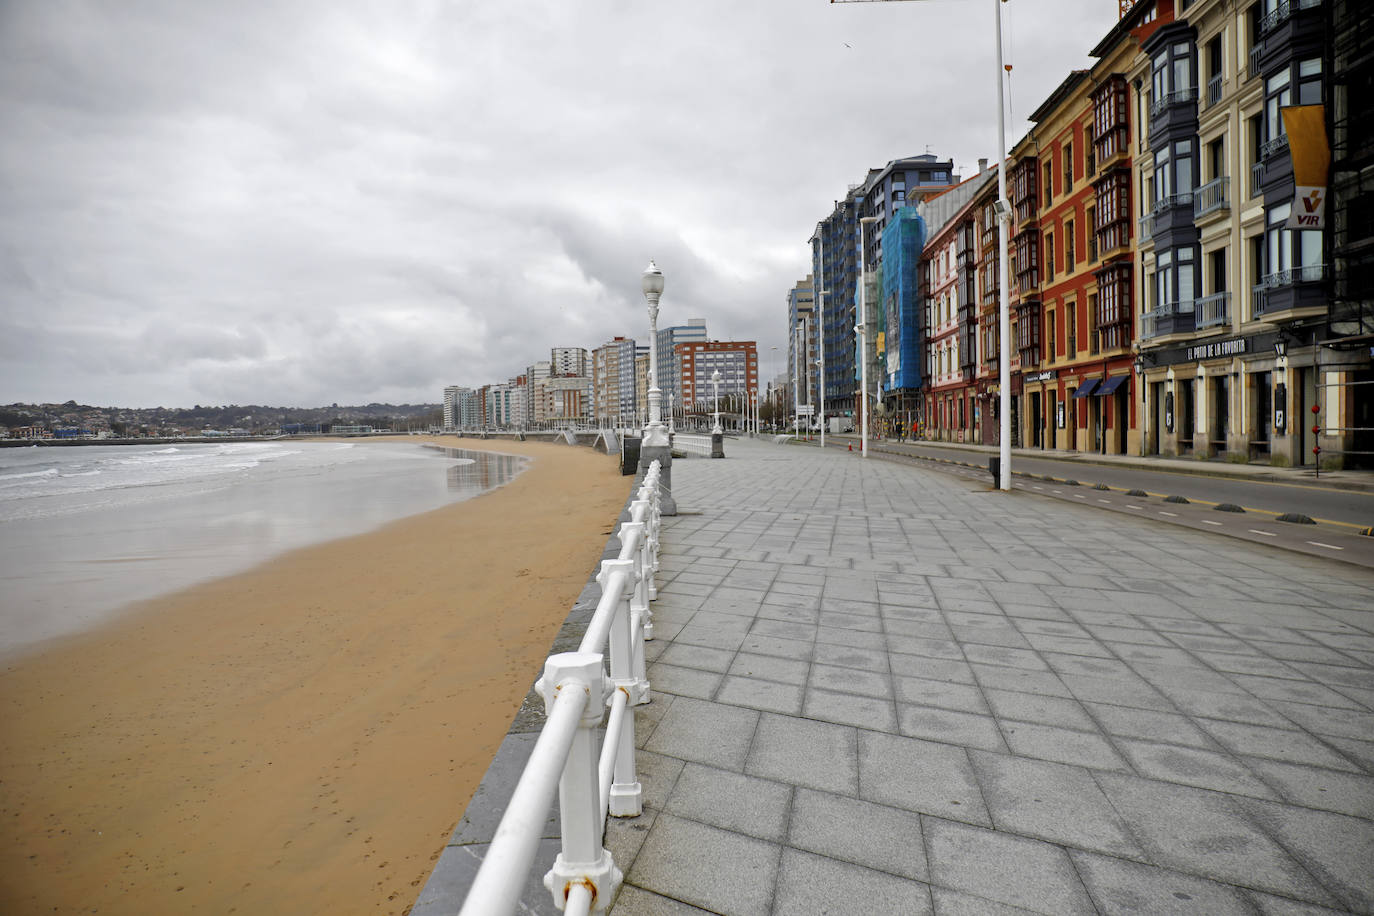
(1218, 348)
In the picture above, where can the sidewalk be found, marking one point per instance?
(878, 689)
(1362, 480)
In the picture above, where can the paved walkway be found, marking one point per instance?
(880, 689)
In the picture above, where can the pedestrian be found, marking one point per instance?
(897, 429)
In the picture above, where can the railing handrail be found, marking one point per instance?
(591, 784)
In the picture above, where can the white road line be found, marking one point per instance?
(1327, 546)
(1208, 521)
(1170, 514)
(1134, 506)
(1036, 487)
(1268, 534)
(1079, 496)
(1106, 501)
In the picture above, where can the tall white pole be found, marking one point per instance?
(1004, 308)
(796, 375)
(820, 339)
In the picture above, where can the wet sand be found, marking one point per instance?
(301, 737)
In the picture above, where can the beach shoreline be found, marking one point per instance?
(278, 740)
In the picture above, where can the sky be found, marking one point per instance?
(306, 202)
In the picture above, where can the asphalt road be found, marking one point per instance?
(1340, 515)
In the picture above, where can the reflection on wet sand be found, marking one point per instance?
(485, 471)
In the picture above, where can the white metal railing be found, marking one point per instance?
(689, 444)
(1213, 310)
(1212, 196)
(591, 784)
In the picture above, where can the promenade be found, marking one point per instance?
(884, 689)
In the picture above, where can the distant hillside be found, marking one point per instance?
(133, 421)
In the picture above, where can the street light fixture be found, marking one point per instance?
(654, 433)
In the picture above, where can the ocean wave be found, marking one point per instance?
(27, 475)
(166, 451)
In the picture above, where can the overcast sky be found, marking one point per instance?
(299, 203)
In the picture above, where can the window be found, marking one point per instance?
(1089, 160)
(1214, 70)
(1068, 166)
(1113, 210)
(1092, 323)
(1049, 256)
(1216, 159)
(1291, 254)
(1110, 129)
(1071, 329)
(1068, 247)
(1049, 184)
(1174, 173)
(1090, 229)
(1050, 339)
(1172, 76)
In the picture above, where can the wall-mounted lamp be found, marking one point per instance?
(1280, 348)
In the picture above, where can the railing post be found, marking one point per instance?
(583, 860)
(626, 793)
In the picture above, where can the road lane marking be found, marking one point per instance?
(1208, 521)
(1134, 506)
(1268, 534)
(1327, 546)
(1170, 514)
(1079, 496)
(1106, 501)
(1036, 487)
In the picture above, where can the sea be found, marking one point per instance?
(88, 530)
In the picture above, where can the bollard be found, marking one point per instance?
(583, 860)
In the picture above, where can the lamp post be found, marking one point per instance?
(715, 389)
(654, 433)
(754, 409)
(862, 328)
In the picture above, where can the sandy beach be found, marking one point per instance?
(304, 736)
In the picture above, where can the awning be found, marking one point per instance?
(1109, 385)
(1086, 388)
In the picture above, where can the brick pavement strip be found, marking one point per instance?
(880, 689)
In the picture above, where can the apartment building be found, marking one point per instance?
(737, 361)
(668, 338)
(569, 361)
(802, 346)
(613, 381)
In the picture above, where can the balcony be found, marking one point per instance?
(1257, 179)
(1170, 99)
(1212, 197)
(1213, 311)
(1272, 148)
(1170, 318)
(1214, 90)
(1167, 213)
(1283, 12)
(1279, 294)
(1255, 52)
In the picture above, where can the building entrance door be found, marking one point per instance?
(1221, 414)
(1184, 424)
(1037, 423)
(1263, 422)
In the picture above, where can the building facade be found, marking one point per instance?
(613, 381)
(737, 361)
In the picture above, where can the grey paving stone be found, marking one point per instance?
(955, 903)
(780, 647)
(951, 727)
(1044, 642)
(810, 884)
(457, 869)
(1335, 848)
(851, 657)
(1004, 868)
(705, 732)
(1168, 727)
(1190, 766)
(875, 836)
(920, 776)
(1270, 905)
(939, 669)
(1118, 692)
(851, 680)
(877, 713)
(635, 901)
(1121, 888)
(819, 755)
(771, 696)
(731, 801)
(1062, 745)
(1206, 834)
(839, 636)
(1032, 707)
(1051, 801)
(1004, 656)
(1313, 787)
(991, 677)
(1274, 743)
(925, 692)
(687, 682)
(719, 871)
(1325, 720)
(770, 668)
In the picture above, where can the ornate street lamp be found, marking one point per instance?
(654, 433)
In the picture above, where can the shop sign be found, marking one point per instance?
(1044, 375)
(1219, 348)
